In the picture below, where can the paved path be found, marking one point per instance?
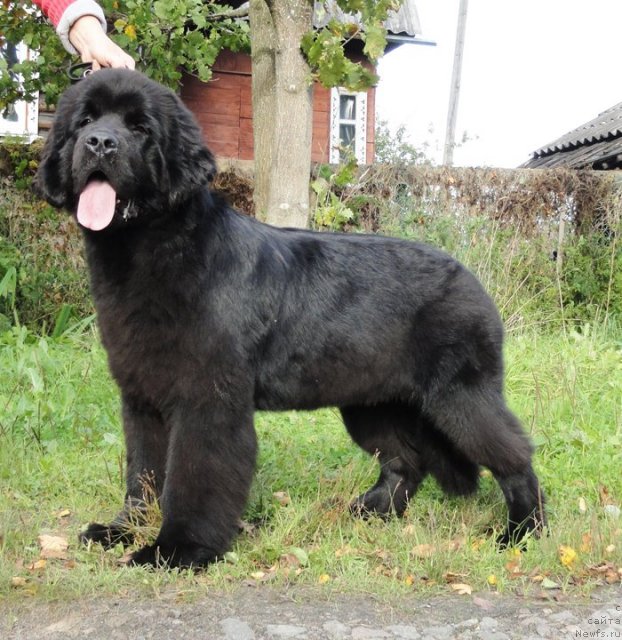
(263, 613)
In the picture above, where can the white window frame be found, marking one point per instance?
(359, 122)
(25, 120)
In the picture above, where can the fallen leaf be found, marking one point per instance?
(492, 580)
(53, 546)
(289, 561)
(63, 514)
(582, 505)
(513, 566)
(603, 494)
(409, 580)
(477, 544)
(547, 583)
(258, 575)
(324, 578)
(600, 568)
(586, 543)
(18, 581)
(454, 577)
(423, 551)
(462, 589)
(282, 498)
(567, 555)
(455, 544)
(610, 548)
(296, 557)
(38, 565)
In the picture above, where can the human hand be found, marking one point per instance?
(93, 45)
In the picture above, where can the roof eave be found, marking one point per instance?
(402, 38)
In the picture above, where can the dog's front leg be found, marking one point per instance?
(146, 441)
(209, 470)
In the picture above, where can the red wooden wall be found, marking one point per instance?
(223, 107)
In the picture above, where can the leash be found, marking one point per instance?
(79, 71)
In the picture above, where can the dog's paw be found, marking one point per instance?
(181, 556)
(516, 535)
(375, 502)
(383, 500)
(106, 535)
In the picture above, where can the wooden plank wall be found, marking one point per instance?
(223, 107)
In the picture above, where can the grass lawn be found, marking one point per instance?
(62, 465)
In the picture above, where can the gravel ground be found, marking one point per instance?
(265, 613)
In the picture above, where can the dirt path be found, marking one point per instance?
(257, 614)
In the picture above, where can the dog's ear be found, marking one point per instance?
(191, 165)
(53, 172)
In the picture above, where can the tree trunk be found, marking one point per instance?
(282, 110)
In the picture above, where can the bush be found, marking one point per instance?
(544, 243)
(44, 248)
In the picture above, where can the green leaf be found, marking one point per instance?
(547, 583)
(375, 41)
(300, 555)
(161, 9)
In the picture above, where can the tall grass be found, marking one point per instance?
(544, 243)
(536, 278)
(62, 455)
(62, 465)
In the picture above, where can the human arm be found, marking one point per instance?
(81, 26)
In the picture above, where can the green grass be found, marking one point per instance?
(62, 460)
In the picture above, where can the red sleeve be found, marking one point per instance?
(53, 9)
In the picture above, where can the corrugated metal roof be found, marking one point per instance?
(597, 143)
(404, 21)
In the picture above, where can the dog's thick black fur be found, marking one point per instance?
(208, 315)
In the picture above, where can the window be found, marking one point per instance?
(21, 118)
(348, 125)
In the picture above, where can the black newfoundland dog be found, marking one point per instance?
(208, 315)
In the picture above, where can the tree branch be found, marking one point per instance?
(240, 12)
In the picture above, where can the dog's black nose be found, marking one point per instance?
(102, 143)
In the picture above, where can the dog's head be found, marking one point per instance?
(122, 148)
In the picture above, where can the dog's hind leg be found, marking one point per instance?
(382, 430)
(146, 439)
(478, 423)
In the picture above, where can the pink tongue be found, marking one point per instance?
(96, 205)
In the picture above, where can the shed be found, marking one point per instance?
(597, 144)
(223, 106)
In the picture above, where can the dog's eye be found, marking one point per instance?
(86, 120)
(142, 128)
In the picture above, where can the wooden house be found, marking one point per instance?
(223, 106)
(597, 144)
